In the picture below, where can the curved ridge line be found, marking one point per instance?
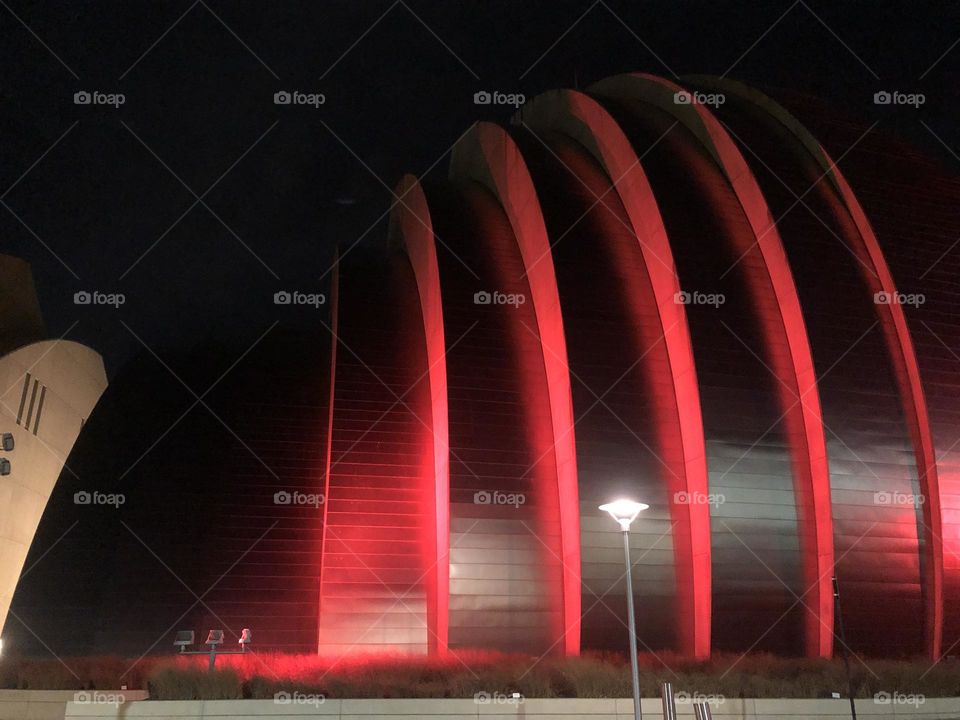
(901, 348)
(504, 172)
(412, 229)
(581, 118)
(703, 124)
(328, 464)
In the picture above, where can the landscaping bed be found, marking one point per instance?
(470, 674)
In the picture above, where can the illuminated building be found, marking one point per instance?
(671, 292)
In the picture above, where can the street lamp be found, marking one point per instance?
(625, 512)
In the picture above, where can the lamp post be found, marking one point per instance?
(625, 512)
(838, 612)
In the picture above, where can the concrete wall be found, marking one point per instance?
(42, 704)
(620, 709)
(47, 391)
(34, 704)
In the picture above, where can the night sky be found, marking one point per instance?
(103, 198)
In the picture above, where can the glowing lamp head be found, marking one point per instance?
(624, 511)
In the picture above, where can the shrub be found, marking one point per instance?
(174, 682)
(466, 673)
(99, 673)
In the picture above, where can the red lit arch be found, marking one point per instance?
(584, 120)
(487, 155)
(783, 326)
(331, 397)
(411, 229)
(899, 344)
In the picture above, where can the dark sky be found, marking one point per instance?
(102, 198)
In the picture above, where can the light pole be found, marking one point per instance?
(625, 512)
(838, 613)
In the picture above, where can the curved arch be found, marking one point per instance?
(899, 344)
(487, 155)
(331, 405)
(61, 381)
(794, 369)
(584, 120)
(411, 228)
